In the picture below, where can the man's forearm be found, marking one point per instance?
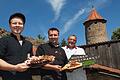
(6, 66)
(52, 67)
(48, 66)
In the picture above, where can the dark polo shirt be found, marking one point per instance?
(12, 52)
(60, 59)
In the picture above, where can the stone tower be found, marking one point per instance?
(95, 28)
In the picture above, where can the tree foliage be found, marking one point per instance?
(4, 33)
(40, 39)
(116, 34)
(63, 43)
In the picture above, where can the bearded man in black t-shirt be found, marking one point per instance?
(52, 71)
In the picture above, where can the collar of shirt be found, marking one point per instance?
(75, 47)
(53, 45)
(21, 37)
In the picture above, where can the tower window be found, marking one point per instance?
(89, 28)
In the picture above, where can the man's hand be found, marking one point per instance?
(57, 67)
(21, 67)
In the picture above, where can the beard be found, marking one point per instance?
(54, 42)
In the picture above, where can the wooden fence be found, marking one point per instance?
(109, 53)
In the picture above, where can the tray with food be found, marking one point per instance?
(38, 61)
(71, 65)
(77, 61)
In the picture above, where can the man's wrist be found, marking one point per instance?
(14, 68)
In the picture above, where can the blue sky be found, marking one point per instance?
(67, 15)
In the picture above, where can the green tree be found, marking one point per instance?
(63, 43)
(4, 33)
(116, 34)
(39, 40)
(40, 37)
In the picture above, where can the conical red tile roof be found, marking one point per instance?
(94, 15)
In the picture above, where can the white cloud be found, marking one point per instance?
(57, 6)
(86, 9)
(71, 21)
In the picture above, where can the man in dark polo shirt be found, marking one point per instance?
(14, 50)
(52, 71)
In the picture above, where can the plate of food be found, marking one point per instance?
(71, 65)
(37, 61)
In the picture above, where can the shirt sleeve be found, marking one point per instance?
(65, 57)
(3, 47)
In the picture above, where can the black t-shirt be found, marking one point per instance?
(12, 52)
(60, 59)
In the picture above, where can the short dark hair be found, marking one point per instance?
(53, 28)
(72, 35)
(18, 15)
